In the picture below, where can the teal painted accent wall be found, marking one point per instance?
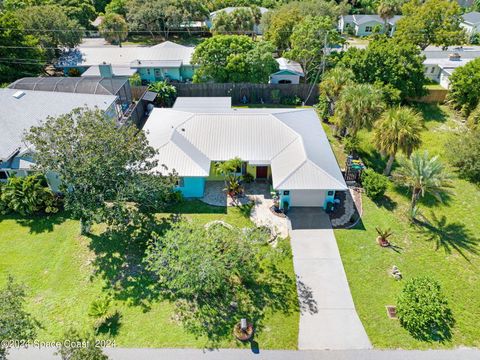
(361, 30)
(193, 187)
(329, 198)
(187, 72)
(284, 198)
(159, 74)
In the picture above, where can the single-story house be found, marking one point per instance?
(287, 147)
(256, 28)
(363, 25)
(439, 64)
(22, 109)
(471, 22)
(163, 61)
(289, 72)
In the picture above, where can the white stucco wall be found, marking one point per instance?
(275, 79)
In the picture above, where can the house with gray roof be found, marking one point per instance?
(22, 109)
(364, 25)
(289, 72)
(164, 61)
(286, 147)
(471, 22)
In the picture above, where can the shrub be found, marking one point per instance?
(374, 184)
(73, 72)
(291, 100)
(248, 178)
(166, 93)
(464, 153)
(28, 195)
(423, 310)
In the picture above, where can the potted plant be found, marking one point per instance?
(383, 235)
(243, 330)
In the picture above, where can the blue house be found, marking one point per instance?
(286, 147)
(165, 61)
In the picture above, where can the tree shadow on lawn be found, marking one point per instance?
(373, 159)
(449, 236)
(38, 223)
(119, 261)
(428, 200)
(386, 202)
(431, 112)
(196, 207)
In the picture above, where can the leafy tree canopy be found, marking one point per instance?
(239, 21)
(98, 163)
(117, 7)
(307, 42)
(431, 22)
(388, 62)
(464, 94)
(464, 154)
(114, 28)
(88, 351)
(232, 58)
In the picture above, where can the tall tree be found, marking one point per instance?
(90, 351)
(423, 175)
(15, 323)
(114, 28)
(309, 40)
(97, 161)
(358, 108)
(399, 128)
(386, 9)
(45, 21)
(389, 62)
(20, 53)
(464, 92)
(117, 6)
(333, 83)
(233, 58)
(431, 22)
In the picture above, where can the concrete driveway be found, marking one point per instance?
(328, 318)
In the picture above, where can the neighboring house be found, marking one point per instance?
(165, 61)
(22, 109)
(130, 107)
(287, 147)
(364, 25)
(289, 72)
(439, 64)
(471, 22)
(256, 28)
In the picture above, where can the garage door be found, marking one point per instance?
(307, 197)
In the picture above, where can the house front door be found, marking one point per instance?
(262, 172)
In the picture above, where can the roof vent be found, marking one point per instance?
(18, 94)
(454, 57)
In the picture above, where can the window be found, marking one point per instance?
(330, 192)
(368, 28)
(180, 182)
(3, 175)
(432, 70)
(286, 193)
(284, 81)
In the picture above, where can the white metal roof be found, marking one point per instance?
(20, 114)
(199, 103)
(472, 17)
(292, 141)
(290, 65)
(118, 70)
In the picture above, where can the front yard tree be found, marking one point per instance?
(233, 58)
(386, 9)
(15, 323)
(388, 62)
(464, 92)
(431, 22)
(98, 162)
(464, 154)
(114, 28)
(88, 351)
(423, 175)
(399, 128)
(358, 108)
(333, 83)
(307, 43)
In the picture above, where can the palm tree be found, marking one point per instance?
(399, 128)
(358, 108)
(423, 175)
(386, 10)
(332, 84)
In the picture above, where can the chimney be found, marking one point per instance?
(105, 70)
(454, 57)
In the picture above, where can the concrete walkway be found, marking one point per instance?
(328, 318)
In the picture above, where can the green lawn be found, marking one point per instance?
(448, 251)
(58, 267)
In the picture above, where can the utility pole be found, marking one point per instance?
(322, 65)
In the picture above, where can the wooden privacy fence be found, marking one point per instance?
(252, 93)
(434, 96)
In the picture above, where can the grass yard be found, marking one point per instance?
(448, 250)
(57, 265)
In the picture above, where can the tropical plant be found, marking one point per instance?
(423, 175)
(114, 28)
(374, 183)
(423, 310)
(464, 94)
(100, 311)
(28, 195)
(383, 235)
(386, 10)
(230, 171)
(333, 83)
(166, 93)
(399, 128)
(358, 108)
